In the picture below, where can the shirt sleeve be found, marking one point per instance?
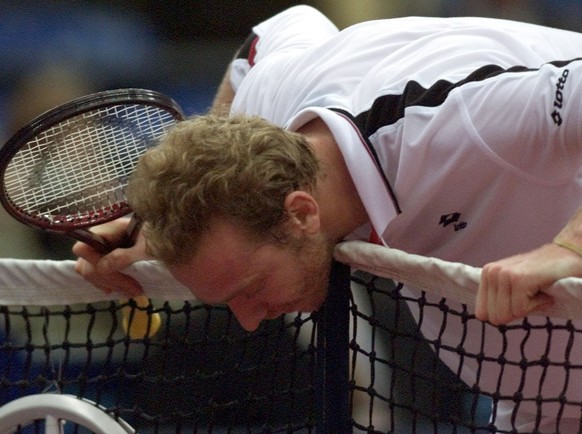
(529, 119)
(296, 28)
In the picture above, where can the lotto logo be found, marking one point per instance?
(559, 98)
(453, 219)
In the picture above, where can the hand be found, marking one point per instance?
(512, 288)
(105, 271)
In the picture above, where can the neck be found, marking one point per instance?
(341, 209)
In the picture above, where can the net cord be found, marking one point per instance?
(46, 282)
(50, 283)
(451, 280)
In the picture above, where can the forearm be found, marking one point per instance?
(570, 237)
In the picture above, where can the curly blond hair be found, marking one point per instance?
(240, 167)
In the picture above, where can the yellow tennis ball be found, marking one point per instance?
(142, 324)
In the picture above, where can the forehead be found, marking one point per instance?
(223, 263)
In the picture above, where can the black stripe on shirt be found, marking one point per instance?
(366, 142)
(388, 109)
(247, 49)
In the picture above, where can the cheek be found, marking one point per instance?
(316, 268)
(286, 283)
(312, 276)
(299, 277)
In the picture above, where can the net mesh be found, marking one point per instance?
(417, 364)
(421, 363)
(200, 373)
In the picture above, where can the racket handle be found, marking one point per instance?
(131, 232)
(95, 241)
(101, 244)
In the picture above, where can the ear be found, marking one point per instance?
(303, 212)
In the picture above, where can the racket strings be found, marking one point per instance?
(79, 168)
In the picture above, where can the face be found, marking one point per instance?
(257, 280)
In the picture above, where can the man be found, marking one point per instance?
(455, 138)
(410, 85)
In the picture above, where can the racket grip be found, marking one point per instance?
(103, 246)
(95, 241)
(131, 232)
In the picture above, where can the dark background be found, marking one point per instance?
(53, 51)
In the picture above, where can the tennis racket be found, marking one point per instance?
(68, 169)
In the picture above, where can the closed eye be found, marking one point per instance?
(248, 289)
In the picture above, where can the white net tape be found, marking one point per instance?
(451, 280)
(43, 282)
(46, 283)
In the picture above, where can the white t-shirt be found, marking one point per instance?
(463, 137)
(470, 151)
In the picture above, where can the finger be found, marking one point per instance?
(87, 270)
(492, 296)
(124, 285)
(541, 302)
(119, 259)
(503, 312)
(110, 281)
(113, 230)
(534, 301)
(521, 298)
(481, 301)
(86, 252)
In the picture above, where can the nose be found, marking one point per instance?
(248, 312)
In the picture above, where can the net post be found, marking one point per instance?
(332, 379)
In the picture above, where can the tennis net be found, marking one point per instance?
(382, 357)
(199, 373)
(421, 361)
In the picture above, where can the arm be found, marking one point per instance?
(224, 96)
(512, 288)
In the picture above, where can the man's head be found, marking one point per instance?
(229, 206)
(258, 280)
(239, 168)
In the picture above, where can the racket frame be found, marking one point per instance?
(77, 228)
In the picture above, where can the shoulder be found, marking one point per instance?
(299, 27)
